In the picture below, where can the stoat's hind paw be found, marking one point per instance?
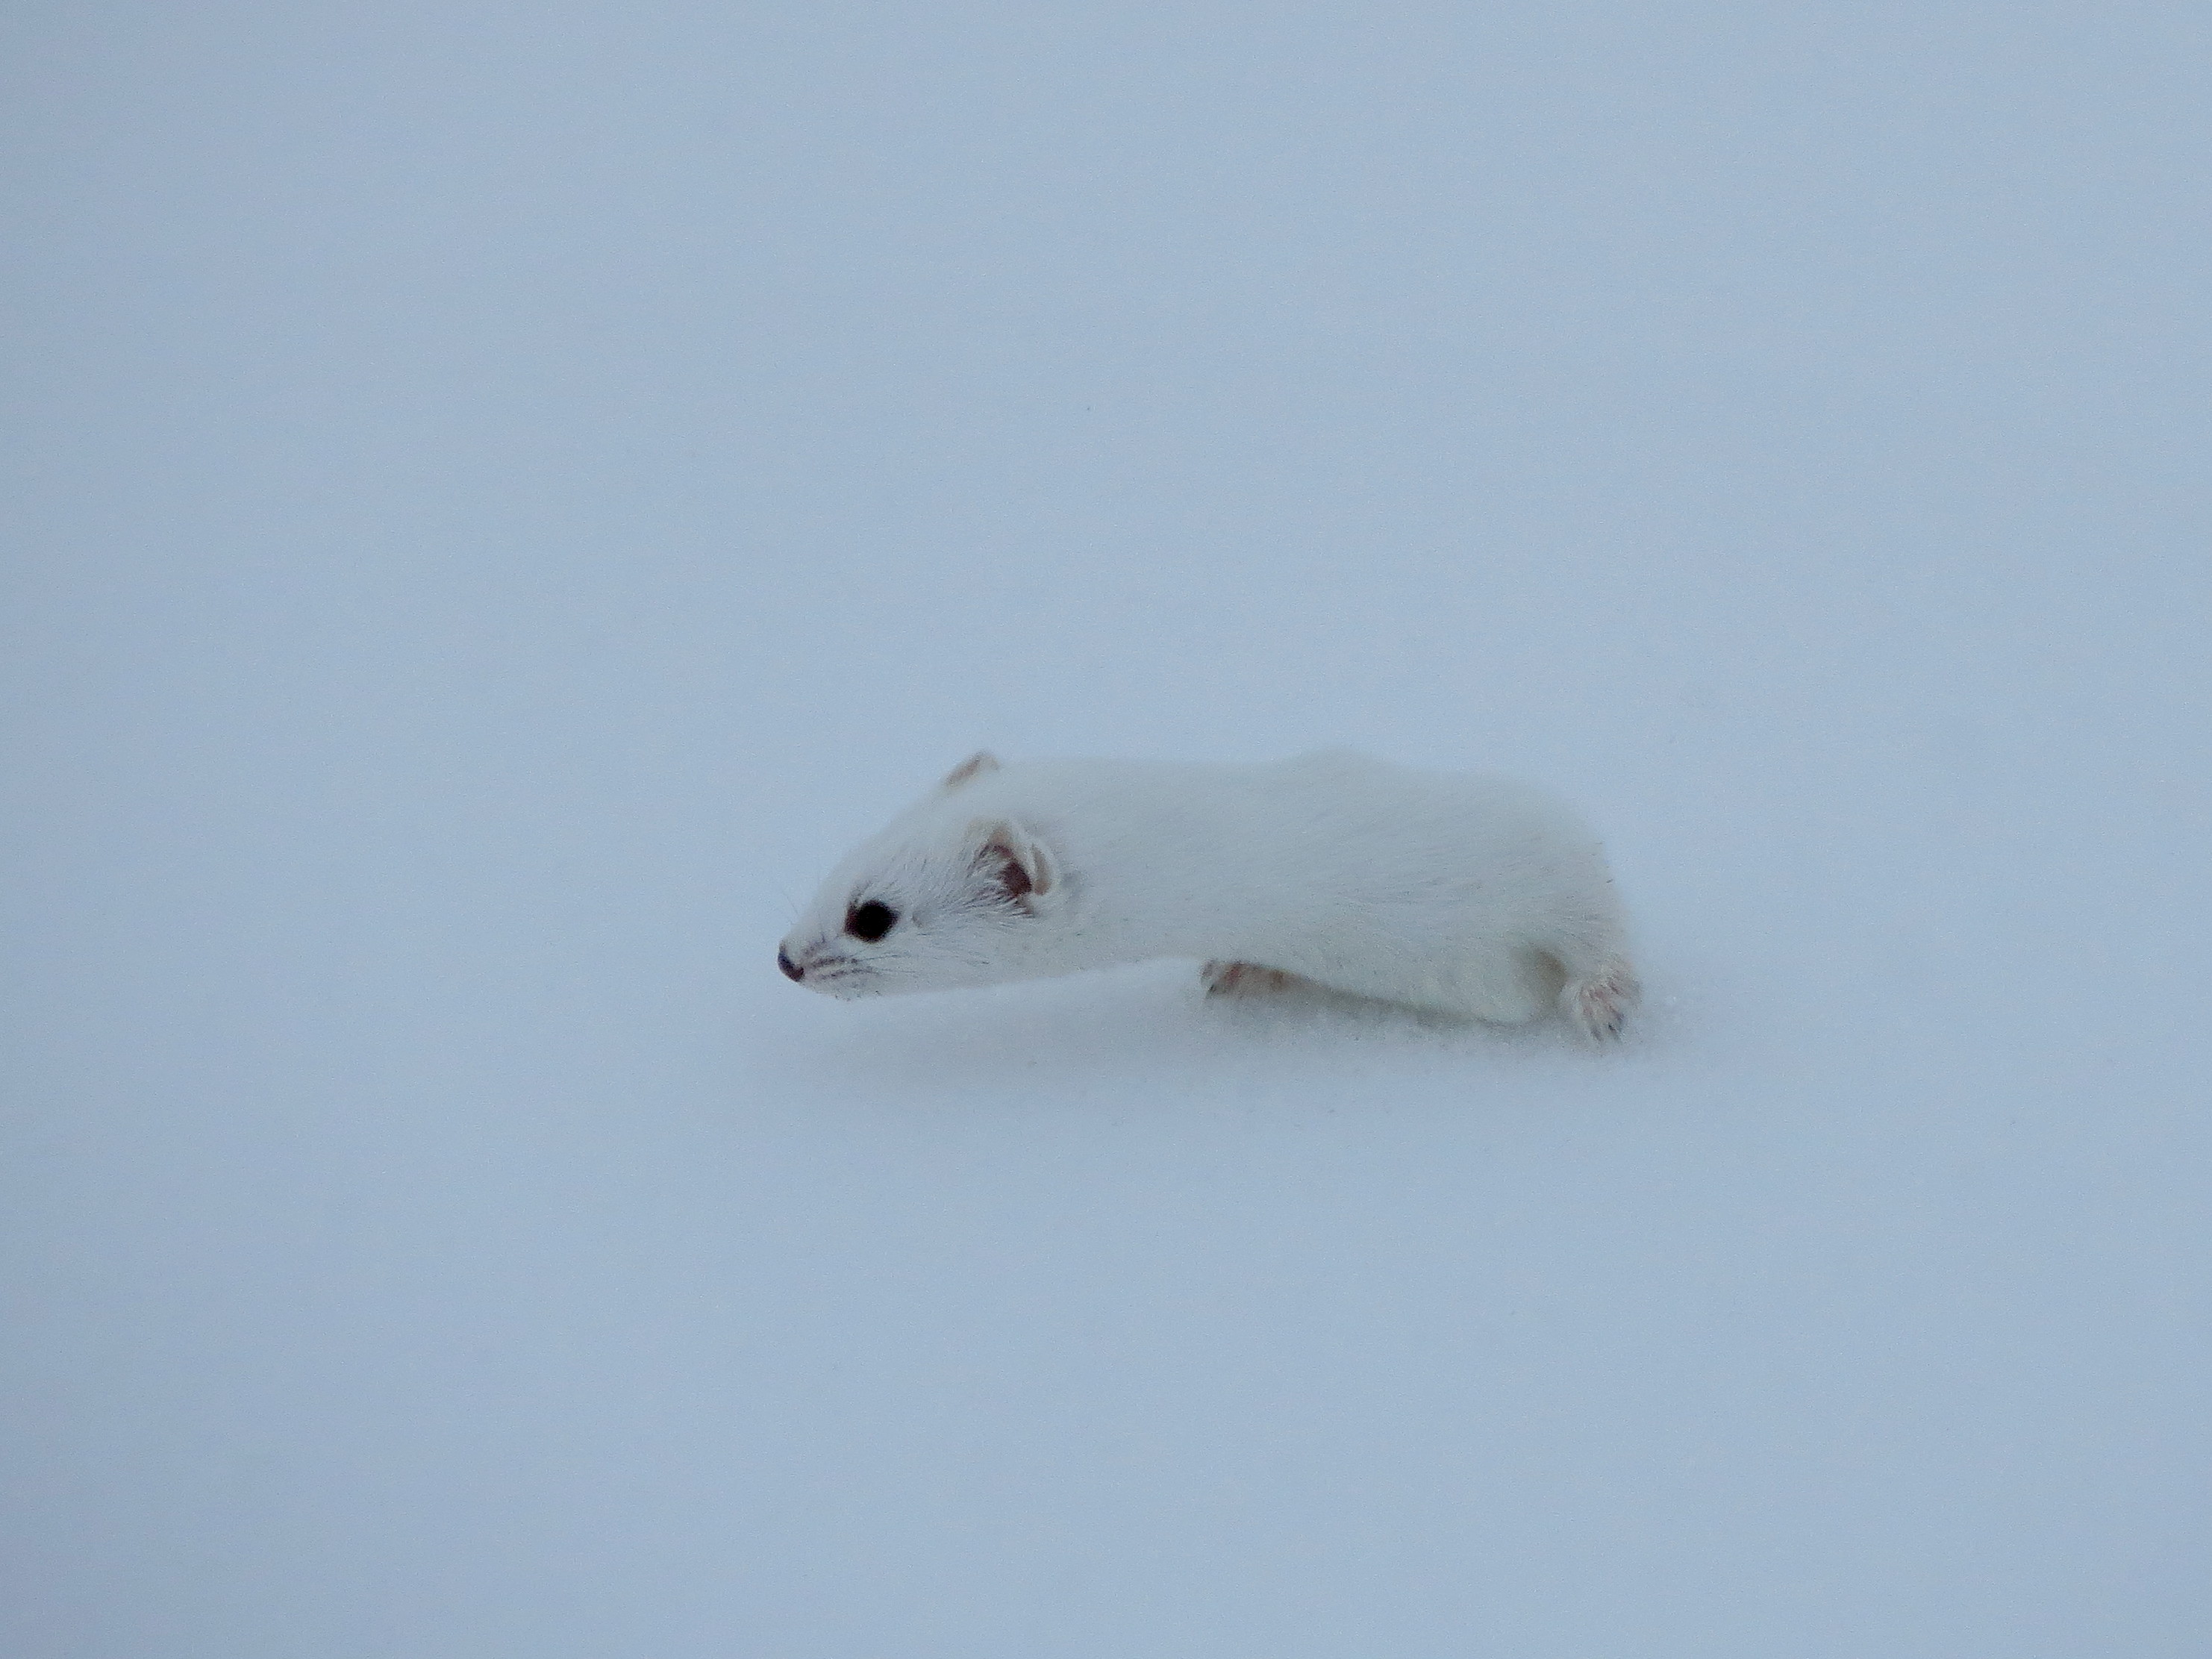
(1244, 979)
(1598, 1004)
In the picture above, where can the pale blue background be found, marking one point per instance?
(498, 496)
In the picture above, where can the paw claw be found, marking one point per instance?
(1599, 1003)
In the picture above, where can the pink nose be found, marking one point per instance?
(792, 970)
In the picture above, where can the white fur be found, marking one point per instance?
(1460, 894)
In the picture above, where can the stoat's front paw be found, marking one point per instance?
(1599, 1005)
(1244, 979)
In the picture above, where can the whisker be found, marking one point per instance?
(790, 904)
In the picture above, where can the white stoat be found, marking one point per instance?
(1460, 894)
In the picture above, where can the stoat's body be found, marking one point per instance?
(1464, 895)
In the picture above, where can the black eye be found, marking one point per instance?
(871, 920)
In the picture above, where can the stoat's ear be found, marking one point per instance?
(1015, 863)
(980, 761)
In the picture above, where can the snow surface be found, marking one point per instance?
(500, 497)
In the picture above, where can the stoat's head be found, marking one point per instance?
(951, 894)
